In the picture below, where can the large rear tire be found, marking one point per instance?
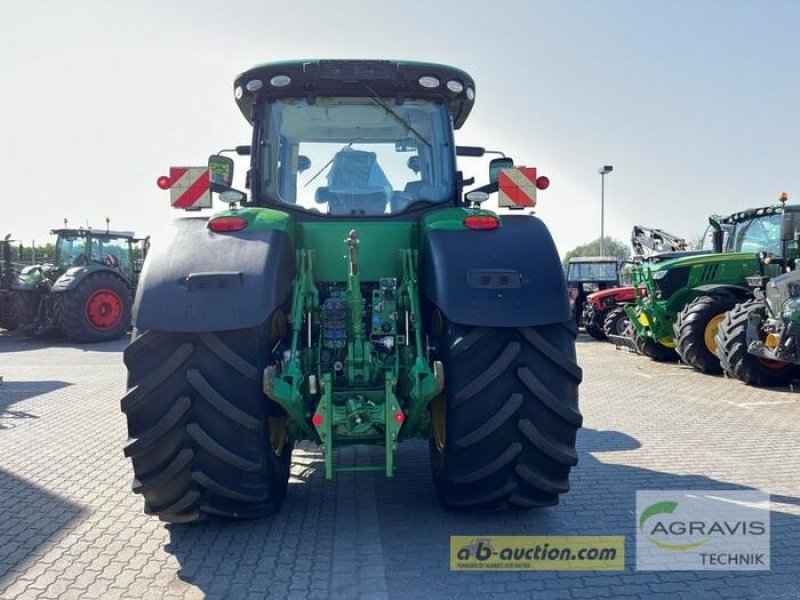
(695, 330)
(651, 348)
(736, 361)
(616, 322)
(204, 440)
(505, 427)
(97, 310)
(23, 307)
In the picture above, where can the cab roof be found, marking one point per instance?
(95, 232)
(388, 78)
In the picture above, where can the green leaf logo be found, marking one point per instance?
(658, 508)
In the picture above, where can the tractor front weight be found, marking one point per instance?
(356, 371)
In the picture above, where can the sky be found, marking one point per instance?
(694, 103)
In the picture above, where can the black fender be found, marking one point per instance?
(506, 277)
(74, 276)
(729, 290)
(205, 281)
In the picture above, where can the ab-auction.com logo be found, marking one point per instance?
(691, 529)
(537, 553)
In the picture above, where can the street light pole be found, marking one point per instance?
(603, 172)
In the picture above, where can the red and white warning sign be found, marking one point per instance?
(189, 187)
(517, 187)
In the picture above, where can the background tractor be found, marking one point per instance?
(86, 293)
(686, 298)
(357, 296)
(758, 340)
(8, 274)
(604, 311)
(587, 275)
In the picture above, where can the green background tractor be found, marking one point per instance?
(86, 293)
(353, 298)
(758, 339)
(687, 298)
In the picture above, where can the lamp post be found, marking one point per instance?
(603, 172)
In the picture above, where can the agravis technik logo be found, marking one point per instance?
(699, 529)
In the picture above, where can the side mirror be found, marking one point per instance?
(220, 171)
(496, 164)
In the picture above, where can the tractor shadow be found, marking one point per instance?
(329, 536)
(32, 520)
(13, 392)
(18, 342)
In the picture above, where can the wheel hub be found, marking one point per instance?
(104, 309)
(711, 331)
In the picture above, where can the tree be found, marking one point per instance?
(611, 247)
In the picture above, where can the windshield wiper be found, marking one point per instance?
(377, 100)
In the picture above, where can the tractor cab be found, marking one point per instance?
(119, 250)
(589, 274)
(353, 138)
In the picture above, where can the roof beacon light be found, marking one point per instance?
(429, 81)
(254, 85)
(455, 86)
(280, 81)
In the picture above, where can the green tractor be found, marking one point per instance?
(358, 296)
(86, 293)
(758, 340)
(681, 302)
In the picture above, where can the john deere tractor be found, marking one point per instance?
(685, 299)
(604, 311)
(357, 296)
(758, 341)
(86, 293)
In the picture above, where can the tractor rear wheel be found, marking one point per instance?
(736, 361)
(593, 322)
(504, 429)
(204, 440)
(97, 310)
(616, 321)
(23, 307)
(695, 329)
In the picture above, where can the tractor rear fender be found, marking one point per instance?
(507, 277)
(73, 277)
(204, 281)
(737, 292)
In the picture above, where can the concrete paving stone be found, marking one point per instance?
(72, 527)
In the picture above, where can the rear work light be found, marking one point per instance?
(227, 224)
(482, 222)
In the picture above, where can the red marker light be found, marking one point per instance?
(164, 182)
(482, 222)
(227, 224)
(316, 420)
(399, 416)
(542, 182)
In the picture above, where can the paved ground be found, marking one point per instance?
(70, 527)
